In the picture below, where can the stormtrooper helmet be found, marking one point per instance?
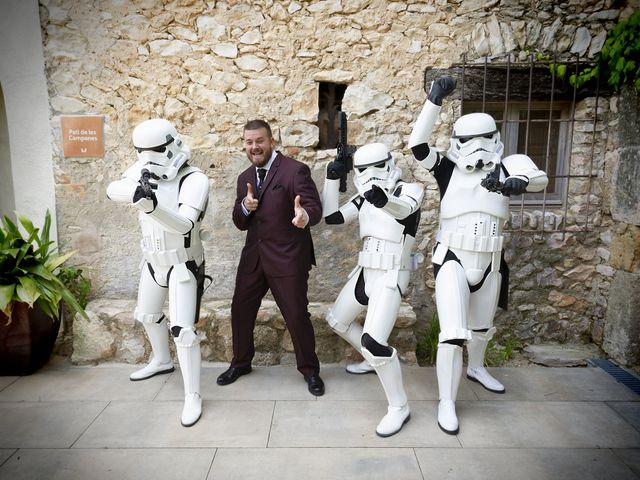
(373, 164)
(160, 148)
(475, 143)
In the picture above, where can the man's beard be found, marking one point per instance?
(259, 163)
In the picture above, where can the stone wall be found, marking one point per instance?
(620, 330)
(110, 333)
(210, 66)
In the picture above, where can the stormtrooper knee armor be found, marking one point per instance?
(172, 198)
(388, 213)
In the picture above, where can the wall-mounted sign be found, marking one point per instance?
(82, 135)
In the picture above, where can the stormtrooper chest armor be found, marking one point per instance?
(161, 246)
(471, 217)
(384, 245)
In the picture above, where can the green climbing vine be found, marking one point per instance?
(619, 60)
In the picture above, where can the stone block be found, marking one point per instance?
(111, 334)
(562, 355)
(622, 325)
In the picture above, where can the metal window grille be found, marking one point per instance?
(537, 112)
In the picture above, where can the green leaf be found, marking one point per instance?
(27, 291)
(41, 271)
(11, 228)
(58, 260)
(27, 224)
(6, 295)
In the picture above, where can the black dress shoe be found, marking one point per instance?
(316, 385)
(232, 374)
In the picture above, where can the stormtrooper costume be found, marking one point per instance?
(172, 198)
(470, 272)
(388, 213)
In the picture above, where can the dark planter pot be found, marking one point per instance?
(26, 344)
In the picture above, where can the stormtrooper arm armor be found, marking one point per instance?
(418, 141)
(521, 166)
(331, 210)
(122, 191)
(405, 200)
(192, 199)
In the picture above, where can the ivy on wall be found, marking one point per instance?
(619, 60)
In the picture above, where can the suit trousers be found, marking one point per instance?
(290, 294)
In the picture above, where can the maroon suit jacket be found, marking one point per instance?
(282, 248)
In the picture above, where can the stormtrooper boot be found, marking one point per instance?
(188, 349)
(476, 370)
(449, 370)
(158, 335)
(390, 375)
(361, 368)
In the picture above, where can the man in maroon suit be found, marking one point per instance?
(277, 201)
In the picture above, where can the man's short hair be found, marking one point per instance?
(258, 124)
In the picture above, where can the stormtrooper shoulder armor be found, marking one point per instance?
(519, 165)
(194, 190)
(404, 200)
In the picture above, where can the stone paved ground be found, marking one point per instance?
(69, 422)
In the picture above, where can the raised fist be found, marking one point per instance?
(335, 170)
(441, 87)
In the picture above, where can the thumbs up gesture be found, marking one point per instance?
(301, 218)
(250, 202)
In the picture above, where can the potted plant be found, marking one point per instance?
(30, 295)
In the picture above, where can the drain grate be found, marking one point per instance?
(620, 374)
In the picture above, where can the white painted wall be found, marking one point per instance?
(26, 104)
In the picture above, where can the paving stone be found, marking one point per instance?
(83, 383)
(630, 411)
(157, 425)
(562, 355)
(315, 463)
(45, 424)
(631, 458)
(83, 464)
(549, 384)
(5, 381)
(352, 424)
(521, 464)
(496, 424)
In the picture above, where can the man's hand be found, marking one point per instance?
(376, 196)
(301, 218)
(335, 170)
(249, 202)
(441, 87)
(514, 186)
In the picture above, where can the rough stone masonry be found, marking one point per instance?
(208, 66)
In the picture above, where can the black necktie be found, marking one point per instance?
(261, 174)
